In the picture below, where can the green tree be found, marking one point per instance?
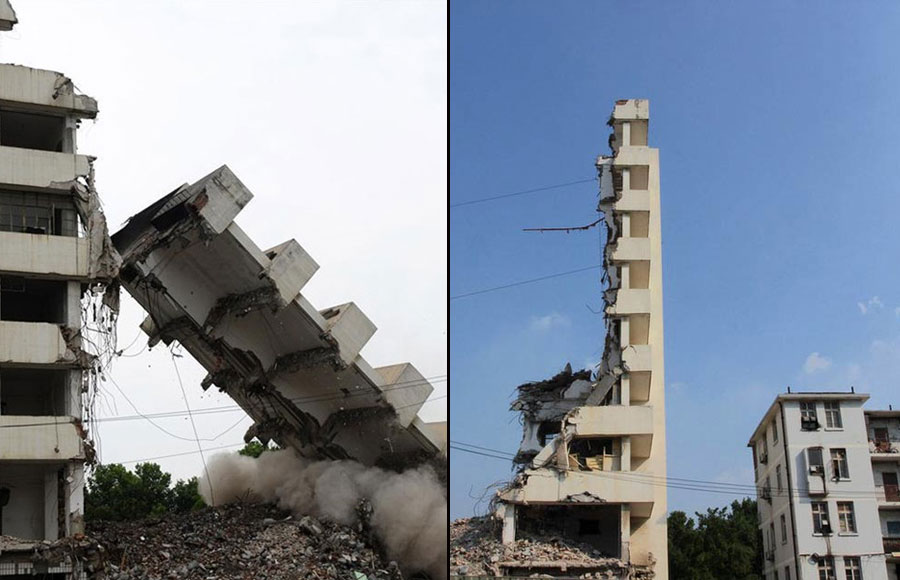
(255, 448)
(724, 544)
(114, 493)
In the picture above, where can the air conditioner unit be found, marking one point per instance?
(816, 469)
(763, 457)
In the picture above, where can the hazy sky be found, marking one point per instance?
(332, 114)
(779, 131)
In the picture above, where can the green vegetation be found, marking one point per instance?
(723, 544)
(114, 493)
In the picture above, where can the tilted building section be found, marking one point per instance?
(239, 310)
(593, 454)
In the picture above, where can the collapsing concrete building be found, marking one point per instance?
(593, 455)
(239, 310)
(54, 253)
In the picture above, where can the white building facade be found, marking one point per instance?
(817, 500)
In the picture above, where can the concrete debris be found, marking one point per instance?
(246, 541)
(476, 550)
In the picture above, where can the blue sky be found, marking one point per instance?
(779, 137)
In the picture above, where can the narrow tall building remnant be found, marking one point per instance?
(239, 311)
(55, 257)
(593, 455)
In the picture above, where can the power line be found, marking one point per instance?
(187, 405)
(523, 282)
(516, 193)
(234, 408)
(665, 481)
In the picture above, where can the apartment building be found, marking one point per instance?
(594, 443)
(820, 514)
(53, 247)
(883, 431)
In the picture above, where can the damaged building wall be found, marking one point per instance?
(239, 310)
(598, 438)
(56, 257)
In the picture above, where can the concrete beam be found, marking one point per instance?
(39, 439)
(49, 256)
(45, 90)
(41, 169)
(33, 343)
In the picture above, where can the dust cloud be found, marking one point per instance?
(409, 509)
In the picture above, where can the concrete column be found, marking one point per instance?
(625, 276)
(626, 225)
(625, 461)
(74, 499)
(509, 524)
(625, 526)
(51, 493)
(69, 143)
(73, 304)
(624, 332)
(73, 394)
(625, 390)
(626, 136)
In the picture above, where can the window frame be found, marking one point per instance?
(832, 412)
(840, 468)
(818, 516)
(783, 529)
(825, 568)
(853, 567)
(846, 517)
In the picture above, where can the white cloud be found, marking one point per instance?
(872, 304)
(548, 322)
(816, 362)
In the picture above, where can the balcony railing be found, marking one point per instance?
(888, 493)
(891, 544)
(882, 446)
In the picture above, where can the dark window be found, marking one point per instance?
(31, 131)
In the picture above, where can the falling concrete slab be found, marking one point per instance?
(239, 310)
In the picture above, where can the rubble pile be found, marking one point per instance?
(476, 550)
(235, 541)
(239, 540)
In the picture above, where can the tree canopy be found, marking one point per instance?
(723, 544)
(114, 493)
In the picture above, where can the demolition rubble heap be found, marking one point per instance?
(476, 550)
(593, 445)
(247, 541)
(238, 309)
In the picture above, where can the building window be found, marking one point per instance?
(772, 536)
(852, 568)
(839, 464)
(776, 574)
(821, 525)
(893, 529)
(787, 573)
(808, 419)
(826, 568)
(845, 516)
(814, 460)
(37, 213)
(778, 477)
(775, 431)
(783, 529)
(763, 451)
(766, 492)
(833, 415)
